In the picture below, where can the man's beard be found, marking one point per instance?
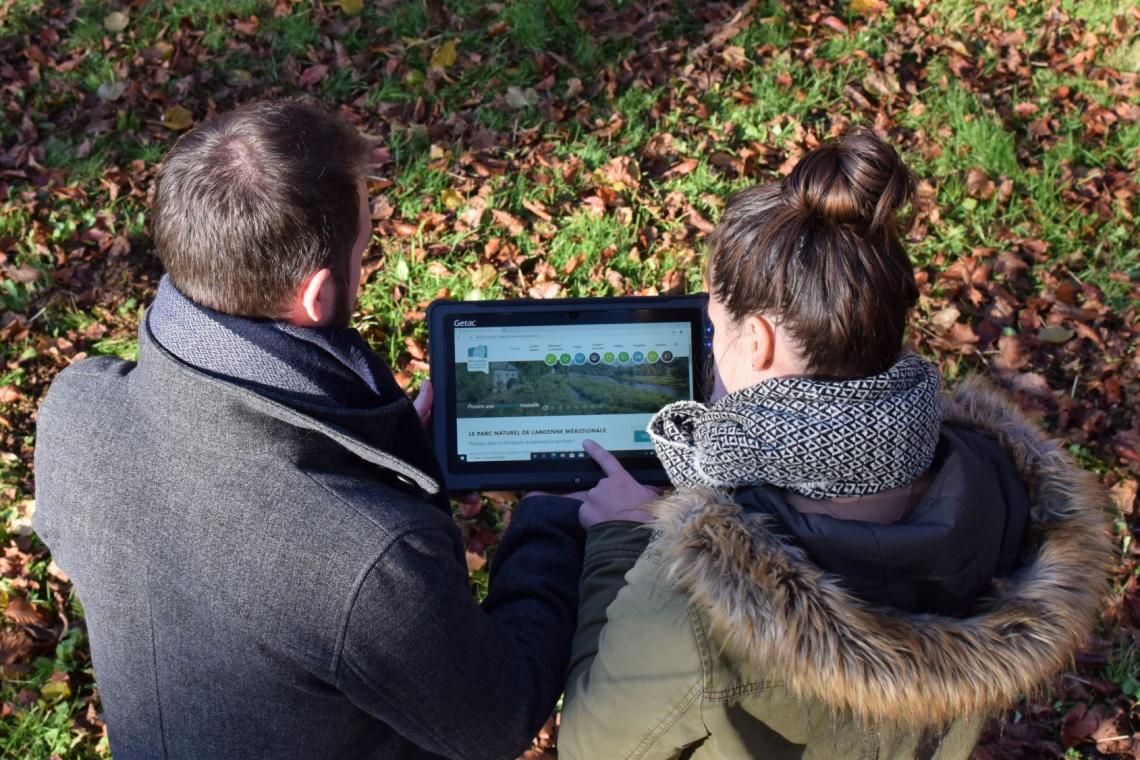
(346, 304)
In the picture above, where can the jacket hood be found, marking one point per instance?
(768, 602)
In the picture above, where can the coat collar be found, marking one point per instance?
(766, 600)
(376, 435)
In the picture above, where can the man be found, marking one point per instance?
(251, 513)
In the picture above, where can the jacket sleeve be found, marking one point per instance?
(637, 669)
(453, 677)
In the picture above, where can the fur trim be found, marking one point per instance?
(765, 599)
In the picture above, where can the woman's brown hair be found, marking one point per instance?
(819, 252)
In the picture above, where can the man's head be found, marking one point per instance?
(263, 212)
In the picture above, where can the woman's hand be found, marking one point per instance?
(617, 496)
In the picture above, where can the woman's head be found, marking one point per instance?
(808, 275)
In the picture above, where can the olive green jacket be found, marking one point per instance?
(723, 640)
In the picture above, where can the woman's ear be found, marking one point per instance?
(315, 302)
(760, 341)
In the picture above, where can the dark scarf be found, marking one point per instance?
(820, 439)
(322, 366)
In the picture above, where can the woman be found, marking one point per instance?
(854, 563)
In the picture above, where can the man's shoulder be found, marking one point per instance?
(77, 381)
(84, 389)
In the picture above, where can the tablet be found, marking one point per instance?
(520, 384)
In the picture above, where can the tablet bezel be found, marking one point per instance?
(571, 474)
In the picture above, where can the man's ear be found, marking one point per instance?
(760, 340)
(315, 302)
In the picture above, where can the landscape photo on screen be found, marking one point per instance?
(534, 393)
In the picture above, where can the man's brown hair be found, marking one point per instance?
(819, 252)
(251, 203)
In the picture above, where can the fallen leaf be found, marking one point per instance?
(475, 561)
(22, 612)
(882, 83)
(111, 91)
(1055, 334)
(734, 57)
(312, 75)
(352, 7)
(177, 118)
(450, 198)
(1078, 724)
(484, 276)
(1124, 496)
(519, 99)
(445, 55)
(868, 8)
(1010, 353)
(116, 21)
(538, 209)
(945, 318)
(545, 290)
(621, 172)
(16, 645)
(56, 688)
(401, 271)
(979, 185)
(834, 24)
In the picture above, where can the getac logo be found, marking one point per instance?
(465, 323)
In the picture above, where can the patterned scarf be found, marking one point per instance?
(325, 366)
(820, 439)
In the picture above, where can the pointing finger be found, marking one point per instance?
(607, 461)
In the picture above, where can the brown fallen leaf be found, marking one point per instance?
(1078, 724)
(834, 24)
(545, 290)
(22, 612)
(621, 172)
(979, 185)
(15, 646)
(882, 83)
(682, 168)
(1011, 355)
(312, 75)
(945, 319)
(1124, 496)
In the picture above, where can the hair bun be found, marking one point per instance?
(858, 180)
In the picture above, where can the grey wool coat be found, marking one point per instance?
(263, 580)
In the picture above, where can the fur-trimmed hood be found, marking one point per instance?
(767, 601)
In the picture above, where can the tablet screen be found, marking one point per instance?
(533, 393)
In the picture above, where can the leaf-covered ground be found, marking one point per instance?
(563, 147)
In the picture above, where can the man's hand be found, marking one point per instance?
(470, 502)
(617, 496)
(422, 403)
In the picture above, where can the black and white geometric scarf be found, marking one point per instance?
(820, 439)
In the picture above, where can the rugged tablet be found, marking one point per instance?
(520, 384)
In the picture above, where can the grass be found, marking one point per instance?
(444, 235)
